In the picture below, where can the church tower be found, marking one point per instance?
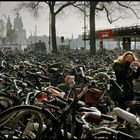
(18, 24)
(21, 33)
(8, 27)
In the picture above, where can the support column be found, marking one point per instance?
(126, 44)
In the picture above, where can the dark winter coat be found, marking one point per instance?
(125, 76)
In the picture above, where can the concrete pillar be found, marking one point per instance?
(126, 43)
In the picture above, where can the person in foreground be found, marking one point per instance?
(127, 68)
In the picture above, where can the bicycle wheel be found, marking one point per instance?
(102, 79)
(7, 101)
(103, 135)
(28, 122)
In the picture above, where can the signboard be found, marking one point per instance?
(105, 33)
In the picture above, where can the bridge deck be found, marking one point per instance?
(132, 32)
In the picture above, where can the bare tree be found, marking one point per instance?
(115, 10)
(55, 7)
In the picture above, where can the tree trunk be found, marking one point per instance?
(53, 33)
(92, 28)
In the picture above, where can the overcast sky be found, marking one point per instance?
(68, 25)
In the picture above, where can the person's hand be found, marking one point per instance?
(135, 64)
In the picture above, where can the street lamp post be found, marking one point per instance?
(49, 31)
(70, 43)
(84, 25)
(35, 32)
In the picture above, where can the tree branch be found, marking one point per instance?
(107, 12)
(64, 5)
(127, 6)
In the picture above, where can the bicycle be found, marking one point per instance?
(57, 127)
(95, 127)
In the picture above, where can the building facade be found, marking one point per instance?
(15, 34)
